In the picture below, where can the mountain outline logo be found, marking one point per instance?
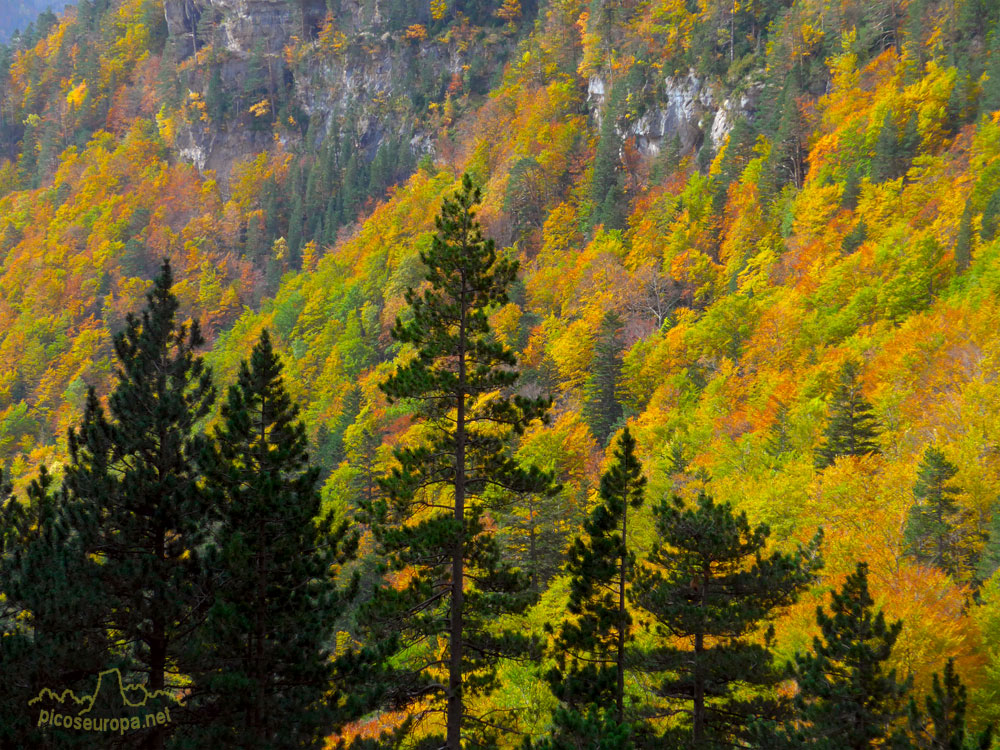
(113, 696)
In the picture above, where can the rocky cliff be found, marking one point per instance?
(366, 73)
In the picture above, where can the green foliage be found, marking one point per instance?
(601, 408)
(963, 243)
(848, 696)
(944, 726)
(590, 645)
(990, 99)
(432, 521)
(709, 583)
(51, 598)
(934, 532)
(134, 494)
(894, 149)
(607, 193)
(263, 657)
(851, 428)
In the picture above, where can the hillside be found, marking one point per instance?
(714, 206)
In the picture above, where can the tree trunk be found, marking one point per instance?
(698, 712)
(623, 563)
(455, 707)
(158, 642)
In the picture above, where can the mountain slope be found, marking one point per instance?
(714, 209)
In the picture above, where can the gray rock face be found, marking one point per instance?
(245, 25)
(366, 87)
(682, 114)
(688, 111)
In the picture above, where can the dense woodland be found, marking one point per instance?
(542, 440)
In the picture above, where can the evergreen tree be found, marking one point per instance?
(710, 584)
(887, 153)
(591, 645)
(607, 192)
(855, 238)
(50, 608)
(134, 492)
(847, 698)
(432, 522)
(990, 99)
(933, 534)
(991, 217)
(852, 189)
(852, 427)
(601, 408)
(532, 532)
(943, 727)
(263, 651)
(963, 243)
(779, 437)
(989, 557)
(894, 150)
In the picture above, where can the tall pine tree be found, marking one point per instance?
(591, 645)
(601, 408)
(934, 533)
(134, 492)
(710, 584)
(852, 428)
(50, 614)
(432, 527)
(848, 697)
(264, 663)
(943, 726)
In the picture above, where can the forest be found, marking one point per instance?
(639, 390)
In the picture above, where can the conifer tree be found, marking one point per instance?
(852, 427)
(989, 556)
(779, 438)
(263, 652)
(991, 217)
(591, 646)
(50, 634)
(943, 727)
(710, 584)
(990, 99)
(432, 523)
(848, 698)
(963, 243)
(601, 408)
(134, 493)
(933, 534)
(607, 190)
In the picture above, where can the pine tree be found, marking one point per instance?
(779, 437)
(134, 492)
(852, 427)
(944, 727)
(710, 584)
(848, 698)
(963, 243)
(433, 522)
(989, 556)
(990, 99)
(263, 652)
(884, 165)
(991, 217)
(607, 191)
(933, 534)
(50, 607)
(591, 645)
(601, 408)
(894, 149)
